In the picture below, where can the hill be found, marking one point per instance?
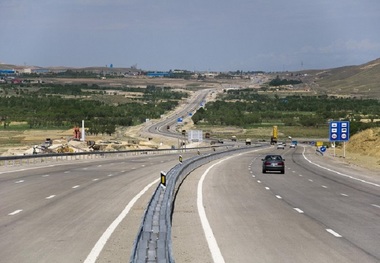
(360, 81)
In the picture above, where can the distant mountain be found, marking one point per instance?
(359, 81)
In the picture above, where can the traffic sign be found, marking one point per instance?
(339, 131)
(322, 149)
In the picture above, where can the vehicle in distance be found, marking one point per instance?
(273, 163)
(280, 146)
(292, 145)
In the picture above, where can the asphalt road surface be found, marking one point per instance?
(58, 212)
(320, 210)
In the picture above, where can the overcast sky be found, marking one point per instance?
(213, 35)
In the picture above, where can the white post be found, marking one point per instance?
(83, 133)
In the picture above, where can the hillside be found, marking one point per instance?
(359, 81)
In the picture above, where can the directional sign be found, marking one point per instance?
(339, 131)
(322, 149)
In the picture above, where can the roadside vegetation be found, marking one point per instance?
(49, 106)
(248, 109)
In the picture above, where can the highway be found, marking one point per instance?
(229, 211)
(57, 212)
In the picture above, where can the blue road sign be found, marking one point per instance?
(179, 120)
(339, 131)
(322, 149)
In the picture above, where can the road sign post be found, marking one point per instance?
(339, 131)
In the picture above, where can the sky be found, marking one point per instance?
(196, 35)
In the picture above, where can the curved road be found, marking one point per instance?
(310, 214)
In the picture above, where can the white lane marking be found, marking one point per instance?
(344, 194)
(278, 196)
(91, 258)
(50, 197)
(46, 175)
(253, 176)
(332, 232)
(300, 175)
(110, 175)
(211, 241)
(18, 182)
(99, 165)
(339, 173)
(324, 186)
(267, 188)
(85, 168)
(259, 181)
(378, 206)
(15, 212)
(311, 180)
(66, 172)
(298, 210)
(76, 186)
(123, 171)
(96, 179)
(293, 171)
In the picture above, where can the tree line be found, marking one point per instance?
(246, 108)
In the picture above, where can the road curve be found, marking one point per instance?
(309, 214)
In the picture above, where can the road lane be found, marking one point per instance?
(270, 218)
(59, 212)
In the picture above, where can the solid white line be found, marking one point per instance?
(211, 241)
(15, 212)
(333, 233)
(91, 258)
(378, 206)
(339, 173)
(76, 186)
(298, 210)
(50, 197)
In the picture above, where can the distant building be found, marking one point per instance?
(158, 74)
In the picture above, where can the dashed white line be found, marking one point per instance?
(311, 180)
(15, 212)
(96, 179)
(298, 210)
(259, 181)
(378, 206)
(324, 186)
(278, 196)
(300, 175)
(20, 181)
(332, 232)
(267, 188)
(50, 197)
(45, 175)
(75, 186)
(66, 172)
(343, 194)
(110, 175)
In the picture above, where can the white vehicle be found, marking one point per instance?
(280, 146)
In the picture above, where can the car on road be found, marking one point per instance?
(280, 146)
(292, 145)
(273, 162)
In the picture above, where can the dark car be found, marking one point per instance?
(273, 162)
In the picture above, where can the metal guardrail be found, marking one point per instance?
(153, 241)
(21, 160)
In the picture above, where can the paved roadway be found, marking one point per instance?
(56, 213)
(309, 214)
